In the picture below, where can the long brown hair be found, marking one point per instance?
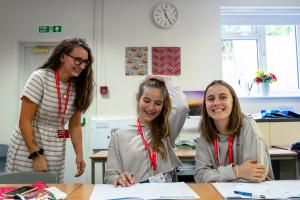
(84, 82)
(159, 127)
(207, 125)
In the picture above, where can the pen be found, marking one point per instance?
(248, 194)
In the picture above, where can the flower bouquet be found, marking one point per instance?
(264, 77)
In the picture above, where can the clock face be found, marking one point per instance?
(165, 15)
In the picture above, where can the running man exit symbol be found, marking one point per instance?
(56, 28)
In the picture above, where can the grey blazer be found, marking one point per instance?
(126, 151)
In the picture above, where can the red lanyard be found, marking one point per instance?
(230, 150)
(152, 156)
(62, 113)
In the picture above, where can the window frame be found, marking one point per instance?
(259, 36)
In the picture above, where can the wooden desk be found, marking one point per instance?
(278, 154)
(83, 192)
(100, 156)
(189, 154)
(206, 191)
(66, 188)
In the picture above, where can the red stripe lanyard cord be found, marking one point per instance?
(230, 150)
(152, 156)
(62, 113)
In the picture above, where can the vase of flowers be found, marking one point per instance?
(265, 89)
(264, 79)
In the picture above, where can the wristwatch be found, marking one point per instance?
(36, 153)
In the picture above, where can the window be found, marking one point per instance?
(263, 39)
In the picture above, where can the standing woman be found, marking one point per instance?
(52, 102)
(145, 152)
(230, 147)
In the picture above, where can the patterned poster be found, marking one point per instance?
(136, 61)
(166, 60)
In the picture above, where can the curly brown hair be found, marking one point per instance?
(84, 82)
(207, 125)
(159, 127)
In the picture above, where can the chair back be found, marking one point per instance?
(3, 154)
(28, 177)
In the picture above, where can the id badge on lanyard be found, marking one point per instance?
(62, 133)
(159, 178)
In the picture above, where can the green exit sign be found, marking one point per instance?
(49, 29)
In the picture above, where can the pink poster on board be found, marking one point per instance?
(166, 60)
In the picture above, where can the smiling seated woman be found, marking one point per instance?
(144, 153)
(230, 147)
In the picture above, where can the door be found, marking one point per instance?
(33, 55)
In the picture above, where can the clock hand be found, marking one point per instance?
(167, 16)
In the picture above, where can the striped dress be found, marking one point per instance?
(41, 89)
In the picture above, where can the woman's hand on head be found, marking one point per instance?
(40, 164)
(158, 77)
(125, 179)
(252, 171)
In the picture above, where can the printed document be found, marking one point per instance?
(142, 191)
(281, 189)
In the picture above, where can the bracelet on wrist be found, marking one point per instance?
(36, 153)
(236, 171)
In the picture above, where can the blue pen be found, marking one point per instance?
(248, 194)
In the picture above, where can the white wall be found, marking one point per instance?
(19, 22)
(129, 23)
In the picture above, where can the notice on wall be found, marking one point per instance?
(136, 61)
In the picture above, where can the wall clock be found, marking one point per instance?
(165, 15)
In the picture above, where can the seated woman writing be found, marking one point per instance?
(144, 152)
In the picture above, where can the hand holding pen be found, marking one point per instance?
(124, 179)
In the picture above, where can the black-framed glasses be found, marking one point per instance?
(78, 61)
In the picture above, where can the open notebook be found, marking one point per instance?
(281, 189)
(141, 191)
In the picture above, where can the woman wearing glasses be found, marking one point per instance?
(52, 102)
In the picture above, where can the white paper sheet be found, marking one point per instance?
(281, 189)
(144, 191)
